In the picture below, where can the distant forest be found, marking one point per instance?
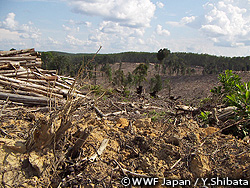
(180, 62)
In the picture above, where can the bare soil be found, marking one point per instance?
(150, 138)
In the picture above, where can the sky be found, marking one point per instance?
(216, 27)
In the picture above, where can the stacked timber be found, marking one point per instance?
(16, 58)
(22, 80)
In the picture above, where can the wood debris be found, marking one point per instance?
(23, 80)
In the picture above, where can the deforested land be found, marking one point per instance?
(89, 120)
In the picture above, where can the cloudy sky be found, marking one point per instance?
(220, 27)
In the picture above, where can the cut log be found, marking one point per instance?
(186, 108)
(4, 66)
(17, 74)
(22, 83)
(20, 58)
(12, 71)
(34, 80)
(27, 76)
(226, 113)
(31, 54)
(42, 101)
(13, 52)
(27, 88)
(21, 92)
(32, 64)
(10, 61)
(47, 71)
(64, 77)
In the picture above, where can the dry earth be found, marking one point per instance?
(134, 143)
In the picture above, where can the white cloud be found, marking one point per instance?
(26, 30)
(136, 13)
(227, 22)
(9, 22)
(110, 27)
(173, 23)
(71, 29)
(187, 20)
(88, 24)
(73, 22)
(162, 32)
(74, 41)
(184, 21)
(19, 34)
(159, 4)
(65, 28)
(53, 41)
(6, 35)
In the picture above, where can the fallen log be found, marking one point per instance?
(47, 71)
(21, 92)
(27, 88)
(42, 101)
(186, 108)
(27, 76)
(31, 54)
(17, 73)
(13, 52)
(14, 58)
(32, 64)
(12, 71)
(64, 77)
(34, 80)
(32, 85)
(4, 66)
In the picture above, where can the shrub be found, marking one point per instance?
(241, 99)
(229, 82)
(234, 93)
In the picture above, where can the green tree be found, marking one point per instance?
(156, 85)
(106, 68)
(129, 79)
(161, 55)
(119, 78)
(47, 58)
(140, 73)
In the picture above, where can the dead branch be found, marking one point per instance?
(100, 150)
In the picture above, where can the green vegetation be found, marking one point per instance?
(161, 55)
(205, 116)
(140, 73)
(155, 116)
(232, 92)
(241, 100)
(156, 84)
(175, 62)
(229, 82)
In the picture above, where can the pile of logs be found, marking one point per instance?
(22, 80)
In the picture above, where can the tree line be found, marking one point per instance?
(176, 63)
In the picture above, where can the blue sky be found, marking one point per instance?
(220, 27)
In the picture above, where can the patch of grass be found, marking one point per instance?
(155, 116)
